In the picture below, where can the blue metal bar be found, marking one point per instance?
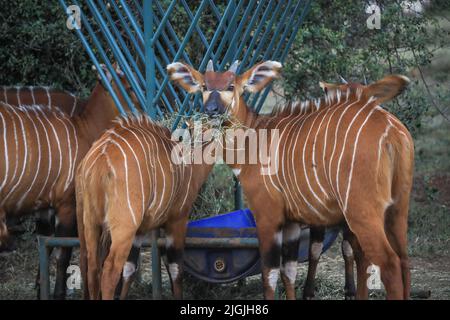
(149, 58)
(118, 55)
(163, 22)
(183, 44)
(91, 54)
(138, 44)
(122, 43)
(222, 22)
(132, 20)
(237, 35)
(199, 31)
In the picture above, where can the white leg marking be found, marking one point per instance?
(347, 249)
(289, 269)
(174, 270)
(316, 249)
(128, 270)
(272, 278)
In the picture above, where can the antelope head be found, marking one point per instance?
(222, 91)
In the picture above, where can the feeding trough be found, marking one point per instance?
(224, 265)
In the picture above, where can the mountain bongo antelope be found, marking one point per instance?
(339, 158)
(17, 96)
(126, 186)
(40, 149)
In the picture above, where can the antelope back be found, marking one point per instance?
(44, 96)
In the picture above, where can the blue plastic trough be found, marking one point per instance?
(224, 265)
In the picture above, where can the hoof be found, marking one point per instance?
(350, 298)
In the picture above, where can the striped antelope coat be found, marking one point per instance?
(44, 96)
(339, 158)
(128, 184)
(39, 151)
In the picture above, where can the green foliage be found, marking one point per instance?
(335, 40)
(38, 49)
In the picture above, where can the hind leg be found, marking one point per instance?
(121, 242)
(397, 231)
(367, 224)
(45, 226)
(175, 238)
(347, 253)
(362, 263)
(129, 272)
(316, 236)
(289, 257)
(3, 230)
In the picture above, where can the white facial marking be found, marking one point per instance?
(316, 249)
(236, 172)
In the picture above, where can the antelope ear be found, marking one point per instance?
(387, 88)
(105, 70)
(255, 79)
(328, 87)
(186, 76)
(119, 71)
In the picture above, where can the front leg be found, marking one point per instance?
(65, 227)
(347, 253)
(316, 236)
(289, 257)
(175, 238)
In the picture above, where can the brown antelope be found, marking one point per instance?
(44, 96)
(40, 150)
(51, 98)
(339, 158)
(127, 185)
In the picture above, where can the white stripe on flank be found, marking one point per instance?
(49, 154)
(32, 94)
(18, 96)
(24, 196)
(49, 98)
(72, 112)
(353, 159)
(133, 215)
(380, 142)
(5, 144)
(349, 126)
(25, 159)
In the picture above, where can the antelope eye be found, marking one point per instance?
(204, 88)
(230, 87)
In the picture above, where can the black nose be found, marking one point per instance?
(213, 105)
(212, 109)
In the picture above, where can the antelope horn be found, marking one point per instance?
(234, 66)
(343, 80)
(210, 66)
(365, 79)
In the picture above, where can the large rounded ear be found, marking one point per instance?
(255, 79)
(105, 70)
(329, 87)
(187, 77)
(387, 88)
